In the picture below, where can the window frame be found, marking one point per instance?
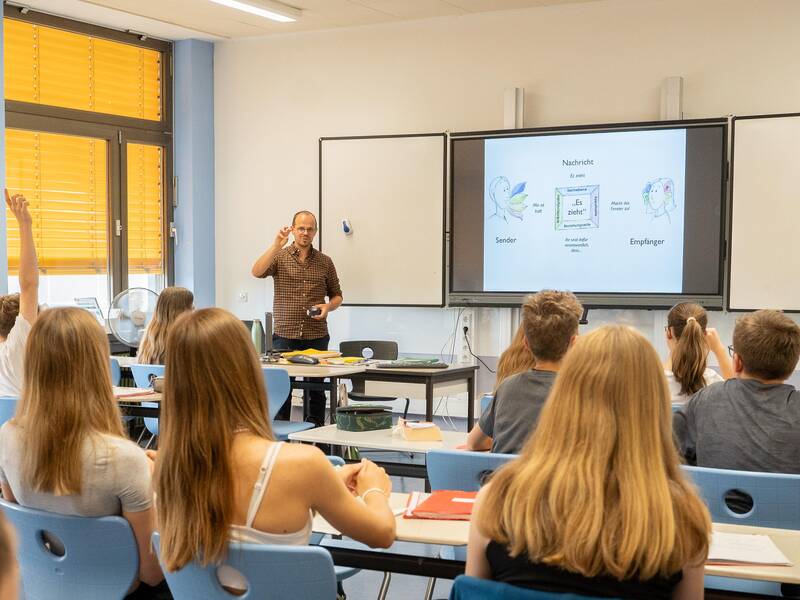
(118, 131)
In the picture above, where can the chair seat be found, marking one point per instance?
(282, 429)
(343, 573)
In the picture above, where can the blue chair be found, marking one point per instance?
(776, 503)
(297, 572)
(99, 561)
(116, 372)
(471, 588)
(460, 470)
(485, 400)
(143, 376)
(278, 388)
(8, 406)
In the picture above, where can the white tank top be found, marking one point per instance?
(245, 533)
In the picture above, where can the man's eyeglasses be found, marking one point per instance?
(308, 230)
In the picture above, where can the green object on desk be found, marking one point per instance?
(365, 417)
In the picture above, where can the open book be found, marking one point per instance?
(744, 549)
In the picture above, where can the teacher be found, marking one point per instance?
(304, 277)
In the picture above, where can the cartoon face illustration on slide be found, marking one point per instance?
(659, 197)
(506, 200)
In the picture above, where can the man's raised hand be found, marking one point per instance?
(283, 237)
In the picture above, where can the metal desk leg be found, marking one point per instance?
(334, 397)
(470, 401)
(429, 399)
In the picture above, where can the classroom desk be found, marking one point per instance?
(131, 406)
(456, 533)
(382, 439)
(429, 378)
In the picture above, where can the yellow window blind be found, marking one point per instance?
(145, 201)
(50, 66)
(64, 177)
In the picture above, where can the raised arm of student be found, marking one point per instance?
(720, 351)
(371, 521)
(264, 262)
(28, 265)
(477, 564)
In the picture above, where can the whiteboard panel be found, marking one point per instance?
(391, 190)
(765, 227)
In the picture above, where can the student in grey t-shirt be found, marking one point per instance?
(514, 411)
(550, 321)
(751, 423)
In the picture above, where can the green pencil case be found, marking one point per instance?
(365, 417)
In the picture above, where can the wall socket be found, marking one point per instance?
(467, 320)
(242, 297)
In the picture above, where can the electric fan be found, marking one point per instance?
(130, 313)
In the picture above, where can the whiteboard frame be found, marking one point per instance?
(444, 137)
(732, 203)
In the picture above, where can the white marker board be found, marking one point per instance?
(391, 189)
(765, 218)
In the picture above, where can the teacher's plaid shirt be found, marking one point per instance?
(298, 287)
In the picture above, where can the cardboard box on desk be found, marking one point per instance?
(420, 431)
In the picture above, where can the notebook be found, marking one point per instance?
(744, 549)
(449, 505)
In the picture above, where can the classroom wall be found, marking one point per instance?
(595, 62)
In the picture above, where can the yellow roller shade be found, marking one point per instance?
(64, 178)
(145, 213)
(50, 66)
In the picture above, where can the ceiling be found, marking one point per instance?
(178, 19)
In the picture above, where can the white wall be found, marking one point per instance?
(596, 62)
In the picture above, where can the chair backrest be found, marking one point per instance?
(462, 470)
(272, 573)
(381, 350)
(116, 372)
(100, 559)
(143, 375)
(485, 400)
(775, 496)
(8, 406)
(278, 388)
(472, 588)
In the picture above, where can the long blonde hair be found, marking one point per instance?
(214, 386)
(517, 358)
(688, 322)
(172, 302)
(67, 396)
(598, 488)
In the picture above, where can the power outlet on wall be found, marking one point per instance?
(466, 330)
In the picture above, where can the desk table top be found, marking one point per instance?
(381, 439)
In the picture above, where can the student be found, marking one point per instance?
(221, 475)
(517, 358)
(689, 339)
(550, 321)
(18, 312)
(596, 504)
(751, 422)
(172, 302)
(65, 450)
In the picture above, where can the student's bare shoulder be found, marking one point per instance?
(303, 456)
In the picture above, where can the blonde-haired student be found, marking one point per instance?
(172, 303)
(689, 339)
(596, 504)
(65, 450)
(221, 475)
(18, 312)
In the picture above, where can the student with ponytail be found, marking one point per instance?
(689, 340)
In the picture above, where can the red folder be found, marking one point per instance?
(450, 505)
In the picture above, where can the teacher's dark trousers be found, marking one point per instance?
(316, 409)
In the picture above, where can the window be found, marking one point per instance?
(88, 141)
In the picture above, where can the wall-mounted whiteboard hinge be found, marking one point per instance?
(175, 191)
(118, 227)
(173, 232)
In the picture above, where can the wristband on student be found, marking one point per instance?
(370, 490)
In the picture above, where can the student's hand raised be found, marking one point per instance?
(372, 476)
(712, 338)
(19, 206)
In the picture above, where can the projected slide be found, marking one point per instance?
(585, 212)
